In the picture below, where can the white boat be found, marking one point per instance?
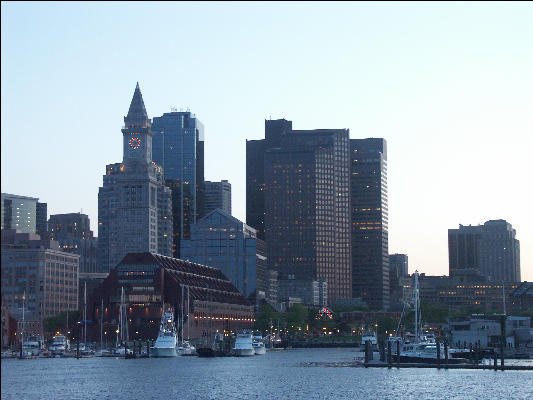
(59, 344)
(186, 349)
(34, 345)
(369, 336)
(166, 342)
(258, 344)
(244, 345)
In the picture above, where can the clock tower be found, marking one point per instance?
(137, 132)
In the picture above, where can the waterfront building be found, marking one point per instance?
(222, 241)
(178, 146)
(217, 195)
(522, 297)
(148, 279)
(134, 205)
(74, 234)
(463, 292)
(485, 331)
(24, 213)
(39, 268)
(298, 198)
(490, 250)
(369, 221)
(312, 293)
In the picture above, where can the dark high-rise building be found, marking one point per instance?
(217, 195)
(41, 218)
(490, 250)
(255, 172)
(399, 265)
(134, 209)
(369, 219)
(298, 196)
(73, 232)
(178, 146)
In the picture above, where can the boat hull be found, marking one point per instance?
(260, 350)
(244, 352)
(163, 352)
(206, 352)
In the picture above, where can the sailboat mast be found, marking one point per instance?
(503, 294)
(182, 329)
(101, 323)
(85, 316)
(188, 316)
(22, 334)
(416, 305)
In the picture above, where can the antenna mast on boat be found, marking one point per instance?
(85, 316)
(188, 317)
(101, 323)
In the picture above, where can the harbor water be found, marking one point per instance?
(285, 374)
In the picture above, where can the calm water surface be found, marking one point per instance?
(289, 374)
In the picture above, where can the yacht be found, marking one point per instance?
(59, 344)
(258, 344)
(165, 344)
(33, 345)
(369, 335)
(244, 345)
(186, 349)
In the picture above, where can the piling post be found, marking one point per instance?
(398, 353)
(437, 342)
(446, 352)
(134, 349)
(389, 353)
(148, 348)
(78, 348)
(502, 362)
(125, 349)
(367, 352)
(494, 358)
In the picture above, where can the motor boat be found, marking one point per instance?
(244, 345)
(258, 344)
(166, 342)
(59, 344)
(370, 336)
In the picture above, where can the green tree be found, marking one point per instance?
(296, 317)
(265, 316)
(58, 323)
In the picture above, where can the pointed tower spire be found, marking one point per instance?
(137, 116)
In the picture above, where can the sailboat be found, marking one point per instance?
(184, 346)
(122, 328)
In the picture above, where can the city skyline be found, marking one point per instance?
(449, 91)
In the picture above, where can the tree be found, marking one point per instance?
(296, 317)
(58, 323)
(264, 317)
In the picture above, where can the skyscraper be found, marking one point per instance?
(217, 195)
(302, 199)
(221, 241)
(178, 146)
(74, 235)
(369, 219)
(255, 172)
(490, 250)
(134, 209)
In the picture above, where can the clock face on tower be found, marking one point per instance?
(135, 143)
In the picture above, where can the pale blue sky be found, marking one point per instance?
(448, 85)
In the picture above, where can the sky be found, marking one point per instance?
(448, 85)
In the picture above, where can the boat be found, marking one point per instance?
(59, 345)
(185, 348)
(33, 346)
(243, 345)
(258, 345)
(165, 344)
(370, 336)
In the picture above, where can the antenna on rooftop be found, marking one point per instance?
(173, 109)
